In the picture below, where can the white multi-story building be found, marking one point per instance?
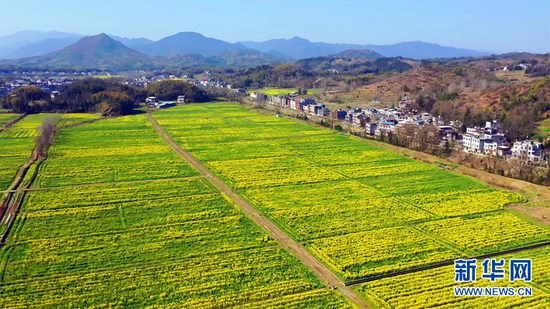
(528, 150)
(483, 143)
(485, 140)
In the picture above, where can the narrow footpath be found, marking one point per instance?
(274, 231)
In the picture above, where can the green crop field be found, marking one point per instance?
(361, 210)
(16, 146)
(434, 288)
(70, 119)
(116, 218)
(162, 243)
(543, 129)
(4, 118)
(161, 238)
(130, 150)
(17, 142)
(274, 91)
(280, 91)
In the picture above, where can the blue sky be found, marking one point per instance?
(487, 25)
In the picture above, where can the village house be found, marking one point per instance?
(339, 114)
(487, 140)
(528, 150)
(258, 96)
(385, 127)
(280, 101)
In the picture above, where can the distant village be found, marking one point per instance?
(489, 140)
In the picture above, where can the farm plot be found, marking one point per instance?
(111, 150)
(5, 118)
(165, 243)
(365, 254)
(304, 212)
(16, 146)
(275, 91)
(487, 234)
(434, 288)
(334, 192)
(70, 119)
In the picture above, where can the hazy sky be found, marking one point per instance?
(487, 25)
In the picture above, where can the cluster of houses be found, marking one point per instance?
(489, 140)
(307, 105)
(48, 84)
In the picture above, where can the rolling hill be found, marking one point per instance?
(9, 44)
(423, 50)
(188, 43)
(99, 51)
(358, 53)
(299, 48)
(296, 47)
(42, 47)
(249, 57)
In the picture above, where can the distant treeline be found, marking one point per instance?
(98, 96)
(306, 71)
(355, 66)
(283, 76)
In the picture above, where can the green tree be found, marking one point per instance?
(171, 89)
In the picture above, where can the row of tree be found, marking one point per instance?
(171, 89)
(98, 96)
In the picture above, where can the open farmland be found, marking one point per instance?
(17, 141)
(543, 129)
(169, 242)
(180, 243)
(111, 150)
(434, 288)
(361, 210)
(71, 119)
(275, 91)
(5, 118)
(16, 146)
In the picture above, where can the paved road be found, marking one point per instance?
(274, 231)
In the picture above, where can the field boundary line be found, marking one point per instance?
(11, 205)
(295, 248)
(128, 267)
(98, 184)
(80, 123)
(12, 122)
(446, 263)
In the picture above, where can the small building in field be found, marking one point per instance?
(181, 99)
(165, 104)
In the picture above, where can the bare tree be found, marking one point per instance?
(44, 140)
(323, 86)
(260, 101)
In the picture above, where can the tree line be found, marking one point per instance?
(97, 96)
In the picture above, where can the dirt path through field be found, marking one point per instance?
(274, 231)
(12, 122)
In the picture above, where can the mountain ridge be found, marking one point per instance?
(183, 43)
(300, 48)
(33, 43)
(99, 51)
